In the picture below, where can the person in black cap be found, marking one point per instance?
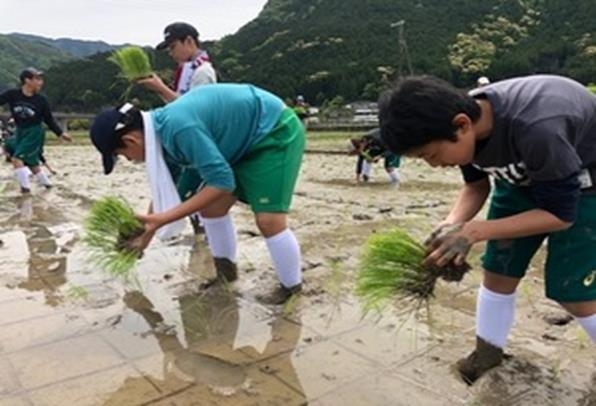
(194, 69)
(194, 66)
(243, 142)
(29, 109)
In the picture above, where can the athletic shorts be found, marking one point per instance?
(267, 174)
(28, 144)
(570, 269)
(392, 161)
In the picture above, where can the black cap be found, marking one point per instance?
(177, 31)
(29, 73)
(103, 134)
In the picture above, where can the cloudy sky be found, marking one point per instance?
(138, 22)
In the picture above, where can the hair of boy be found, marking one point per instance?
(420, 110)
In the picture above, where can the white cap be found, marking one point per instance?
(482, 81)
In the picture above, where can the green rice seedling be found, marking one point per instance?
(110, 225)
(133, 62)
(391, 268)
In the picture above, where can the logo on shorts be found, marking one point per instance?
(264, 200)
(589, 280)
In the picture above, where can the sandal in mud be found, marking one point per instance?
(486, 356)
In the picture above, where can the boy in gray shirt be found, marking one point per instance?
(536, 136)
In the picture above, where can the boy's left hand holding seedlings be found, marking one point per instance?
(451, 243)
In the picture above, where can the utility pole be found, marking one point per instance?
(402, 50)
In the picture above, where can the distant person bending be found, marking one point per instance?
(29, 109)
(370, 149)
(301, 108)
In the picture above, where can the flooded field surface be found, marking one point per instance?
(72, 335)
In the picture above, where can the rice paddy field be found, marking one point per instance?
(74, 334)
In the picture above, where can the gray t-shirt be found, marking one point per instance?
(544, 135)
(544, 129)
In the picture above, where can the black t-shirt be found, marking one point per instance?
(30, 110)
(543, 136)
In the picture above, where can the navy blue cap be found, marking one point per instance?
(103, 134)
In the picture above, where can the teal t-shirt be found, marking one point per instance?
(212, 127)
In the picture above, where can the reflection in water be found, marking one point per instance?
(210, 324)
(46, 264)
(192, 365)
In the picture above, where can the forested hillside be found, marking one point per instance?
(15, 54)
(325, 49)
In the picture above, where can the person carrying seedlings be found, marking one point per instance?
(370, 149)
(29, 109)
(243, 142)
(194, 66)
(536, 137)
(194, 69)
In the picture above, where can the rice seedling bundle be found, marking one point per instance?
(133, 62)
(391, 269)
(110, 225)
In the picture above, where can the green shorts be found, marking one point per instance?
(28, 144)
(392, 161)
(10, 144)
(267, 174)
(570, 269)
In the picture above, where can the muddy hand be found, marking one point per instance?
(152, 82)
(451, 245)
(433, 240)
(141, 242)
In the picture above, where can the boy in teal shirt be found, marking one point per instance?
(244, 143)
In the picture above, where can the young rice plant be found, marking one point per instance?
(133, 62)
(110, 225)
(391, 268)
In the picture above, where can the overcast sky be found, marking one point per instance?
(138, 22)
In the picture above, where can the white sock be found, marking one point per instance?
(494, 316)
(285, 254)
(221, 236)
(366, 168)
(589, 324)
(394, 176)
(42, 178)
(22, 175)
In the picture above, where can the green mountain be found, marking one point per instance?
(74, 47)
(16, 54)
(349, 47)
(349, 50)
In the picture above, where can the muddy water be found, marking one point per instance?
(71, 335)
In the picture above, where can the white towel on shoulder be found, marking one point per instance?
(164, 195)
